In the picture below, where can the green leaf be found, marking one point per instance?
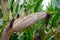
(54, 20)
(28, 33)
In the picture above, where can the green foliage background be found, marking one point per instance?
(37, 31)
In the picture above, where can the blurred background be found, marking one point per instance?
(37, 31)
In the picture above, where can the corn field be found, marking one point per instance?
(27, 20)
